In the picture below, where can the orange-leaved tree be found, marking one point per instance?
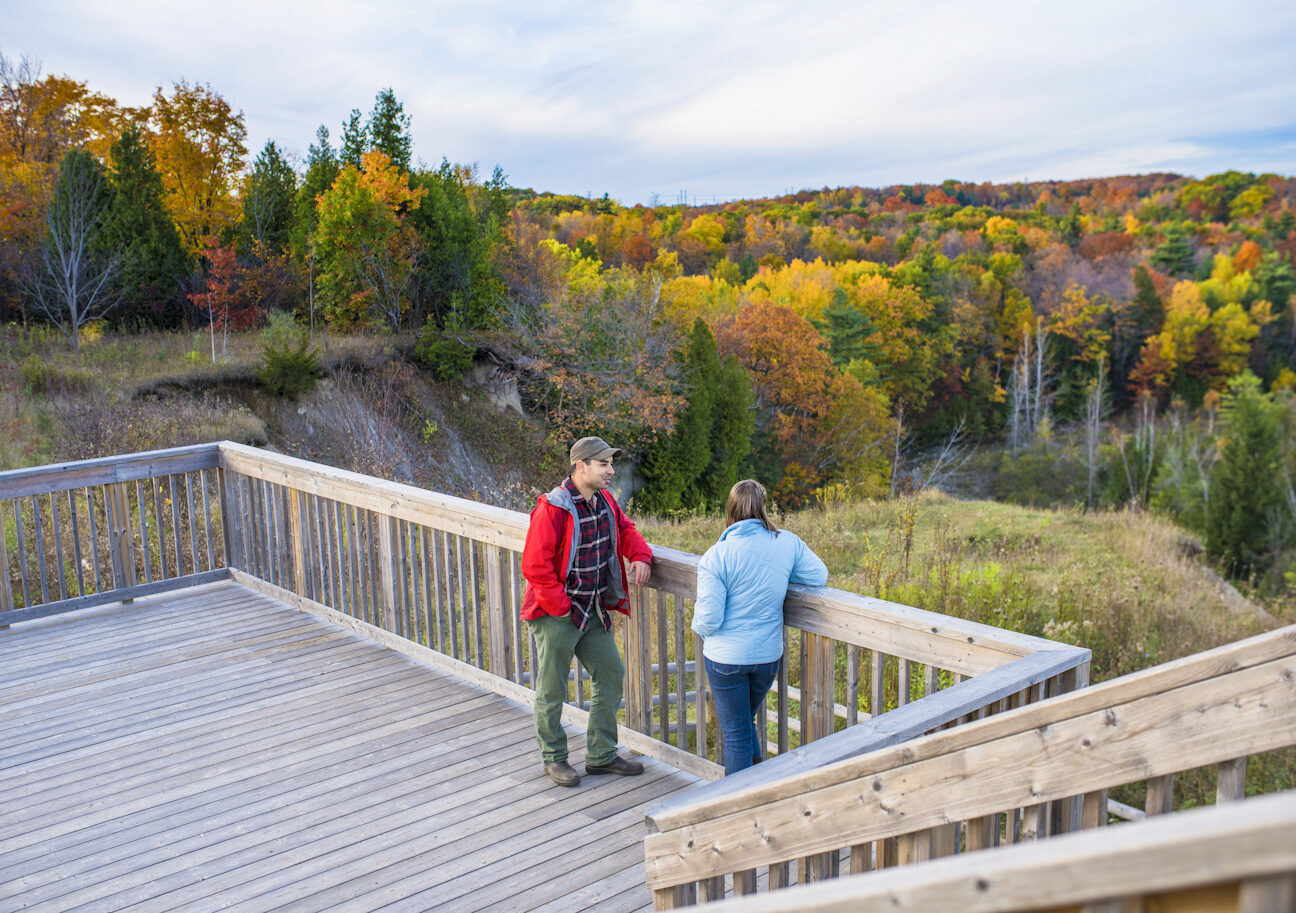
(198, 142)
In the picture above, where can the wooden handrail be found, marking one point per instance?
(1246, 851)
(962, 646)
(1211, 708)
(108, 530)
(18, 483)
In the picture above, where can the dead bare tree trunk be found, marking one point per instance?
(72, 279)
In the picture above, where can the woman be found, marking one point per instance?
(741, 583)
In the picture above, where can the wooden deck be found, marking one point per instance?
(215, 748)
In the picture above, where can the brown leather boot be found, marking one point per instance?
(562, 773)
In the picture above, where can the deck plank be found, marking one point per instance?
(213, 747)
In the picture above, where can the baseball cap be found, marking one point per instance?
(593, 448)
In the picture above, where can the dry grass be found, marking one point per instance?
(1123, 584)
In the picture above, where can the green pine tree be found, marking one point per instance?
(140, 228)
(674, 463)
(355, 140)
(1246, 483)
(322, 169)
(389, 129)
(1175, 256)
(732, 425)
(269, 200)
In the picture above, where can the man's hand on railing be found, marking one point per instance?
(639, 572)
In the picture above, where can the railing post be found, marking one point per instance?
(233, 558)
(388, 568)
(119, 537)
(6, 594)
(498, 614)
(638, 662)
(296, 543)
(1230, 783)
(817, 687)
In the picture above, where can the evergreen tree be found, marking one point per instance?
(1274, 280)
(322, 169)
(732, 424)
(139, 226)
(1149, 309)
(269, 198)
(848, 330)
(674, 463)
(1175, 256)
(1245, 487)
(388, 129)
(355, 141)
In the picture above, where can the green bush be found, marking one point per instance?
(442, 354)
(288, 363)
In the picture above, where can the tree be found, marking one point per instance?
(140, 227)
(366, 248)
(1246, 483)
(389, 129)
(460, 223)
(732, 422)
(268, 199)
(72, 279)
(355, 141)
(674, 463)
(41, 119)
(1175, 255)
(322, 169)
(198, 141)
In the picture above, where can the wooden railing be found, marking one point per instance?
(1234, 858)
(82, 534)
(439, 577)
(1016, 777)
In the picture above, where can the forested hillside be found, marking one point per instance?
(1119, 340)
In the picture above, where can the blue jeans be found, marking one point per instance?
(739, 691)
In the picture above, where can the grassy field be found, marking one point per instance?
(1129, 586)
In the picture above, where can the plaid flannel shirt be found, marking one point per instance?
(587, 581)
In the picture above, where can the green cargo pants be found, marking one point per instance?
(557, 640)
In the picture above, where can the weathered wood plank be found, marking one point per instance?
(17, 483)
(1249, 710)
(1173, 853)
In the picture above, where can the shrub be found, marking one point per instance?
(289, 365)
(442, 354)
(40, 376)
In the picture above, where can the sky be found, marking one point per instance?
(713, 100)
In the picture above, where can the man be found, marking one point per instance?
(572, 561)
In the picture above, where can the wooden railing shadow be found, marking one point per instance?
(1018, 777)
(439, 577)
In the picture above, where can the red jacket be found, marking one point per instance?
(550, 543)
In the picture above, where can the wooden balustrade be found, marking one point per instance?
(439, 576)
(100, 531)
(1015, 777)
(1224, 859)
(444, 573)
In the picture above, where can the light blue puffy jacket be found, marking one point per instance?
(741, 583)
